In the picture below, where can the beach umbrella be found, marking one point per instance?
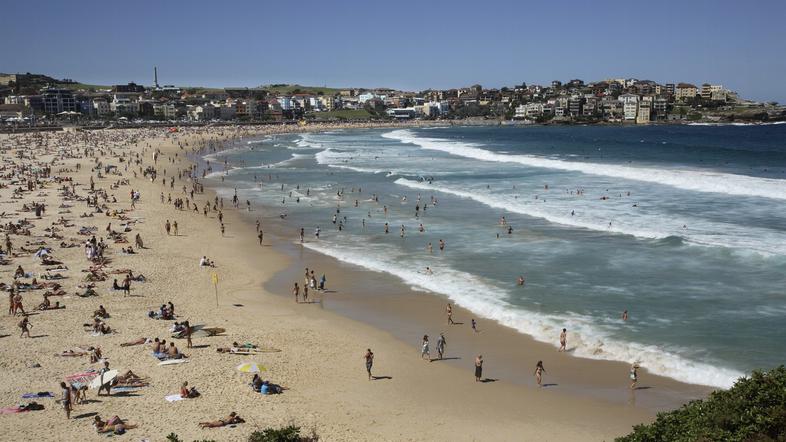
(250, 367)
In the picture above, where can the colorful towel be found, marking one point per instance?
(11, 410)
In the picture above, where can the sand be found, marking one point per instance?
(321, 361)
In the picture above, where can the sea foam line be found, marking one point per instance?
(694, 180)
(484, 299)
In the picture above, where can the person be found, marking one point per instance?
(424, 351)
(449, 310)
(369, 362)
(260, 236)
(188, 393)
(625, 315)
(563, 339)
(112, 425)
(539, 370)
(441, 345)
(474, 325)
(106, 385)
(256, 383)
(634, 375)
(25, 325)
(322, 282)
(520, 281)
(168, 227)
(66, 399)
(232, 419)
(187, 331)
(478, 368)
(296, 292)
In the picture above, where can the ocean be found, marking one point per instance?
(682, 226)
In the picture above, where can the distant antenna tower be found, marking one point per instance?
(155, 76)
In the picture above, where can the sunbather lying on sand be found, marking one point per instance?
(232, 419)
(139, 341)
(113, 425)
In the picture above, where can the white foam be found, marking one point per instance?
(694, 180)
(763, 241)
(486, 300)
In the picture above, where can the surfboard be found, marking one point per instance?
(207, 331)
(103, 379)
(173, 362)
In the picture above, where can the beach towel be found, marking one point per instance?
(41, 394)
(125, 389)
(174, 397)
(11, 410)
(160, 356)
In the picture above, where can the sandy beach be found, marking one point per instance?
(322, 344)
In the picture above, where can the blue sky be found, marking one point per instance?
(404, 44)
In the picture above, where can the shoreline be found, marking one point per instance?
(321, 357)
(396, 308)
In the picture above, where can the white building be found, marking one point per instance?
(629, 105)
(124, 105)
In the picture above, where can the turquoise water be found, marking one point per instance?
(683, 226)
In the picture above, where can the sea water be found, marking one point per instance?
(682, 226)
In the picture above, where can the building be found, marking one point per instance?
(660, 107)
(123, 105)
(58, 100)
(643, 115)
(167, 111)
(590, 107)
(6, 79)
(101, 107)
(285, 103)
(685, 92)
(9, 111)
(130, 87)
(205, 112)
(713, 92)
(328, 102)
(402, 113)
(629, 106)
(670, 88)
(574, 106)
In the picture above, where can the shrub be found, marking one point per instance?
(290, 433)
(754, 409)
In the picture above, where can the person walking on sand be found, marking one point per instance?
(563, 339)
(168, 227)
(369, 357)
(260, 236)
(539, 370)
(478, 368)
(174, 227)
(65, 399)
(424, 351)
(449, 310)
(441, 342)
(296, 292)
(106, 385)
(187, 330)
(634, 375)
(25, 326)
(474, 325)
